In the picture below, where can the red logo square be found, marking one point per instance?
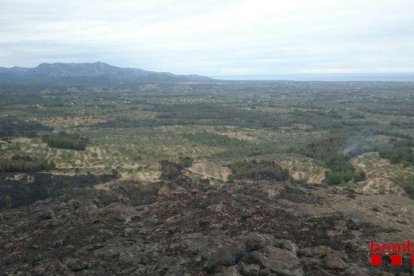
(412, 259)
(396, 260)
(376, 260)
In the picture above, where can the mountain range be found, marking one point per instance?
(97, 73)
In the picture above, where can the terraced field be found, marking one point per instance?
(315, 130)
(382, 176)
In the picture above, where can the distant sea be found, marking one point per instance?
(324, 77)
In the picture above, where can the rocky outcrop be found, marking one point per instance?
(163, 228)
(207, 170)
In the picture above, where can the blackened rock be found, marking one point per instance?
(76, 264)
(256, 258)
(224, 256)
(288, 245)
(334, 261)
(164, 263)
(323, 256)
(250, 269)
(278, 260)
(228, 271)
(255, 241)
(267, 272)
(131, 255)
(319, 251)
(75, 204)
(200, 245)
(44, 216)
(34, 246)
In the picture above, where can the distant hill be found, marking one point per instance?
(97, 73)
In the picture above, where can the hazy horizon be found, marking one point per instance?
(406, 76)
(213, 38)
(403, 76)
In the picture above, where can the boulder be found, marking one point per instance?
(225, 256)
(255, 241)
(277, 260)
(76, 264)
(228, 271)
(250, 269)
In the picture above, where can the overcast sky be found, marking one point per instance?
(213, 37)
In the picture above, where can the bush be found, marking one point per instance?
(340, 170)
(186, 161)
(408, 187)
(258, 170)
(20, 163)
(214, 140)
(398, 155)
(359, 175)
(332, 178)
(323, 149)
(66, 141)
(3, 136)
(170, 170)
(116, 173)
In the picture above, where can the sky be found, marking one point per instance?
(213, 37)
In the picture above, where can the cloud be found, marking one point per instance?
(212, 37)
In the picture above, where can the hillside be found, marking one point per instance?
(163, 228)
(96, 74)
(237, 178)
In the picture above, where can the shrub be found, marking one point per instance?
(66, 141)
(408, 186)
(359, 175)
(116, 173)
(323, 149)
(170, 170)
(332, 178)
(258, 170)
(398, 155)
(21, 163)
(3, 135)
(340, 170)
(186, 161)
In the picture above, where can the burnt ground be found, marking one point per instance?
(244, 228)
(25, 188)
